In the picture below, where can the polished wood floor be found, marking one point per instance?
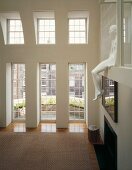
(51, 128)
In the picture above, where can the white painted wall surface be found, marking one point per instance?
(124, 126)
(61, 53)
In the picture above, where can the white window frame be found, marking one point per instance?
(49, 31)
(8, 31)
(85, 31)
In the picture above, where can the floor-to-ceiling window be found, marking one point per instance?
(48, 91)
(18, 87)
(77, 92)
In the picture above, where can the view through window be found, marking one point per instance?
(18, 86)
(48, 91)
(76, 91)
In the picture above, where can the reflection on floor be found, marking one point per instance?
(19, 127)
(77, 127)
(46, 127)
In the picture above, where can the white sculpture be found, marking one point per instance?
(106, 64)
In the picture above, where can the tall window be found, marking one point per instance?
(48, 91)
(18, 86)
(78, 31)
(77, 91)
(15, 31)
(46, 31)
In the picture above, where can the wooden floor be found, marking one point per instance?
(51, 128)
(45, 127)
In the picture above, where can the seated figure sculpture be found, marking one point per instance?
(106, 64)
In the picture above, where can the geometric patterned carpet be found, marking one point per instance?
(44, 151)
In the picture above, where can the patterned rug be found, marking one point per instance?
(44, 151)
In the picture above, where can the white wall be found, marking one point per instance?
(124, 126)
(8, 94)
(61, 53)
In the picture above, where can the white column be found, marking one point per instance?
(32, 115)
(38, 93)
(62, 95)
(8, 94)
(5, 95)
(119, 33)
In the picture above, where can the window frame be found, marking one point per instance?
(84, 93)
(38, 19)
(86, 30)
(8, 32)
(47, 87)
(23, 87)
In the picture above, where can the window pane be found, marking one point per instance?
(82, 34)
(82, 28)
(71, 28)
(41, 34)
(71, 22)
(46, 22)
(52, 34)
(72, 34)
(82, 22)
(41, 28)
(52, 28)
(77, 22)
(41, 22)
(52, 22)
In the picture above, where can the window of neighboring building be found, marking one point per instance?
(15, 31)
(46, 31)
(43, 82)
(111, 83)
(78, 31)
(72, 81)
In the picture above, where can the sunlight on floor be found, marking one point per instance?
(76, 127)
(19, 127)
(48, 127)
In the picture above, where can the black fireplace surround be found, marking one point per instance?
(110, 142)
(107, 153)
